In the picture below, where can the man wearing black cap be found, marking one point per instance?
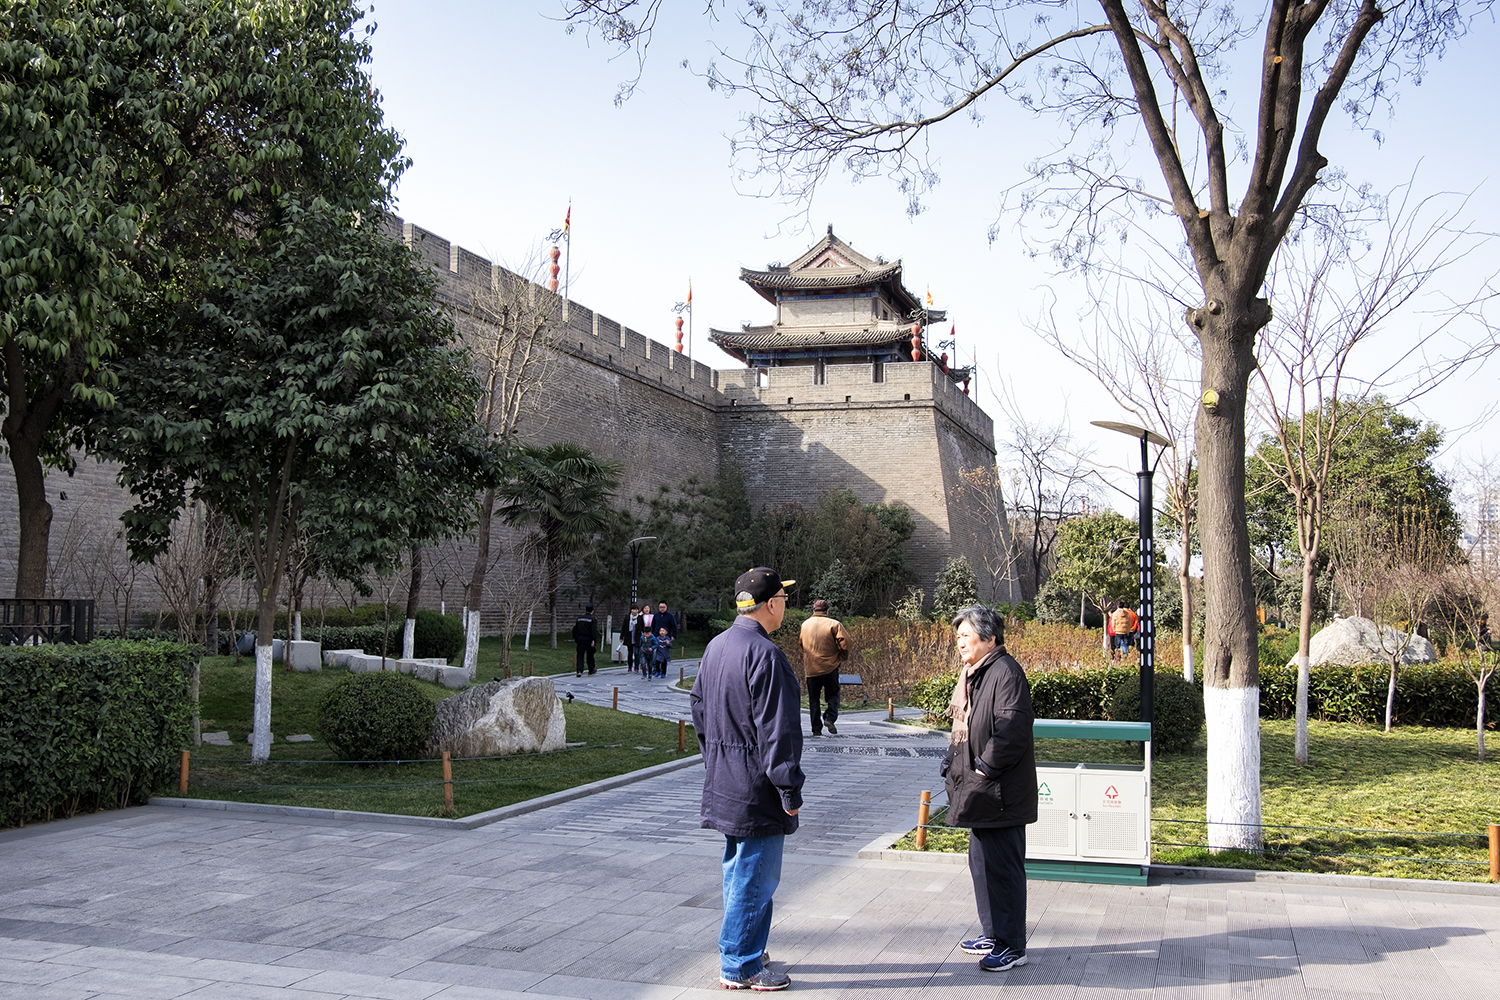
(746, 711)
(585, 637)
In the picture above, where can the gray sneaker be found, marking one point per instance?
(765, 980)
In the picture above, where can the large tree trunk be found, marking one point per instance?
(1231, 670)
(35, 514)
(1304, 646)
(1390, 689)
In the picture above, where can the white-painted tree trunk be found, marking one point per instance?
(1300, 750)
(1479, 721)
(471, 645)
(409, 639)
(260, 740)
(1233, 767)
(297, 625)
(1187, 657)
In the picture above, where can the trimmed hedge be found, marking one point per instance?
(94, 726)
(376, 716)
(437, 635)
(1429, 694)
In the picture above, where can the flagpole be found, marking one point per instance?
(690, 319)
(568, 261)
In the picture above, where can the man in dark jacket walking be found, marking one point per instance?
(991, 772)
(585, 639)
(746, 707)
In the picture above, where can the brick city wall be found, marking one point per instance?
(660, 416)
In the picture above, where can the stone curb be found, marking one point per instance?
(467, 823)
(877, 851)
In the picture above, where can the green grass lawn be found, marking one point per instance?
(1414, 783)
(305, 774)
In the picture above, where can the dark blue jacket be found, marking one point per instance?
(747, 712)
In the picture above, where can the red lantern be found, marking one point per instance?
(945, 361)
(916, 341)
(679, 334)
(552, 283)
(966, 387)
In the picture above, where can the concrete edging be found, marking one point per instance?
(877, 850)
(466, 823)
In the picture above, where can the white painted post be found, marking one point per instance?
(528, 630)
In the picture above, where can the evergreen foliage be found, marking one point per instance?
(376, 716)
(438, 635)
(957, 587)
(1177, 710)
(835, 587)
(92, 726)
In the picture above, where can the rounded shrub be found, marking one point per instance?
(1179, 711)
(376, 716)
(438, 635)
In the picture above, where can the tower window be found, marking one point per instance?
(820, 372)
(877, 372)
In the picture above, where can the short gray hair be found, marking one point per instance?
(752, 609)
(985, 623)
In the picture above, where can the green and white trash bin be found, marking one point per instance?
(1093, 820)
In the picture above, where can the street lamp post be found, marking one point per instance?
(635, 563)
(1147, 560)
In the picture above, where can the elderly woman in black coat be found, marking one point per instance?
(991, 775)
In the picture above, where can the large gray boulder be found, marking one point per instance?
(1351, 641)
(515, 716)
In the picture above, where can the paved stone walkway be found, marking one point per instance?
(617, 896)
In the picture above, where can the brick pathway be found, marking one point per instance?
(617, 896)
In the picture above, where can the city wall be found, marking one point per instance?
(659, 415)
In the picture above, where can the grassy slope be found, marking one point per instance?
(1412, 779)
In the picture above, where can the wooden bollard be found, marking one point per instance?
(681, 675)
(182, 787)
(1495, 852)
(617, 699)
(682, 745)
(890, 709)
(922, 812)
(447, 782)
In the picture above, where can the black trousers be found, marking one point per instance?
(826, 685)
(997, 864)
(585, 650)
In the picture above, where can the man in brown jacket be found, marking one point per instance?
(825, 646)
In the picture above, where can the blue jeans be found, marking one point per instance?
(752, 870)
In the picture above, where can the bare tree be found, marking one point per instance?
(516, 584)
(1335, 296)
(857, 85)
(1415, 559)
(1141, 359)
(1051, 481)
(511, 329)
(982, 488)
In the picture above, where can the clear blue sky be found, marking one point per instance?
(508, 118)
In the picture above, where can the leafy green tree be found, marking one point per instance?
(957, 587)
(136, 138)
(1098, 556)
(564, 493)
(310, 394)
(869, 539)
(835, 587)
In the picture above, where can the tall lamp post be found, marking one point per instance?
(1147, 559)
(635, 563)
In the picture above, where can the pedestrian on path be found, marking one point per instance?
(991, 776)
(746, 715)
(631, 636)
(825, 647)
(585, 638)
(661, 653)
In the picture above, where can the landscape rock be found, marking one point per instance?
(303, 656)
(502, 717)
(1352, 641)
(340, 657)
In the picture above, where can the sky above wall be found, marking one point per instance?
(509, 119)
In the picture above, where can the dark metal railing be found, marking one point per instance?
(25, 621)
